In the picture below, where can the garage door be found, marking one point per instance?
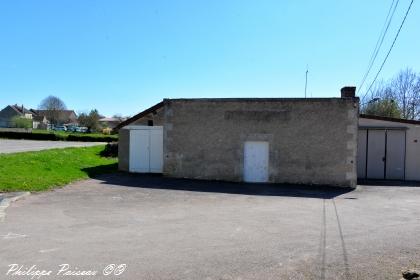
(376, 154)
(381, 154)
(395, 154)
(146, 149)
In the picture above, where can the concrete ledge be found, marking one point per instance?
(7, 199)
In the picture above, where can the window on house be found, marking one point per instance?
(150, 122)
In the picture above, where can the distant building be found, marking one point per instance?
(39, 122)
(63, 116)
(111, 122)
(12, 111)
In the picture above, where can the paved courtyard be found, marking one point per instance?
(14, 146)
(180, 229)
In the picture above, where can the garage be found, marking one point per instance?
(309, 141)
(388, 149)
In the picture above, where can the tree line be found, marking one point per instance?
(398, 97)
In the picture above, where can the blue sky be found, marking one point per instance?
(124, 56)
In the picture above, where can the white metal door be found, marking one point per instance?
(361, 154)
(139, 151)
(256, 161)
(156, 150)
(395, 154)
(376, 154)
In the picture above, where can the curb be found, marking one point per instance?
(5, 202)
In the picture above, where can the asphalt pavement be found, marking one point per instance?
(146, 227)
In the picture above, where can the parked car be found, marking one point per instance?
(60, 128)
(73, 128)
(82, 129)
(78, 129)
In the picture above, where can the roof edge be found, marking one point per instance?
(139, 115)
(389, 119)
(260, 99)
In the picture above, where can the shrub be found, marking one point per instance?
(106, 131)
(20, 122)
(110, 150)
(57, 136)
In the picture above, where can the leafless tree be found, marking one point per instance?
(406, 89)
(53, 107)
(402, 93)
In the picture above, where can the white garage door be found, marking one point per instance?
(376, 154)
(256, 161)
(146, 149)
(395, 154)
(381, 154)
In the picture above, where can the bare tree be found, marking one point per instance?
(53, 107)
(399, 97)
(406, 89)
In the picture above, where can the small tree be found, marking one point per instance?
(53, 107)
(384, 108)
(91, 120)
(20, 122)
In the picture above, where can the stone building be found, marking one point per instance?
(273, 140)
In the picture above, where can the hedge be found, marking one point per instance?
(57, 137)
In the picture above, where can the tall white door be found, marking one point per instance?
(139, 151)
(256, 161)
(395, 154)
(376, 154)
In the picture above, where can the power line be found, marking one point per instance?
(380, 40)
(390, 49)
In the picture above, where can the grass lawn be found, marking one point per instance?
(43, 170)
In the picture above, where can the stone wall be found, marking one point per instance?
(311, 141)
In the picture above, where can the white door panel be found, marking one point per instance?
(256, 159)
(376, 154)
(156, 151)
(139, 151)
(146, 149)
(395, 154)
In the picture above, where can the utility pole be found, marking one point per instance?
(306, 79)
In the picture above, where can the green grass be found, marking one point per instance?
(43, 170)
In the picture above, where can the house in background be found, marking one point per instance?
(12, 111)
(67, 117)
(40, 118)
(111, 122)
(39, 122)
(273, 140)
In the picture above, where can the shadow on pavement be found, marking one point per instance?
(159, 182)
(93, 172)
